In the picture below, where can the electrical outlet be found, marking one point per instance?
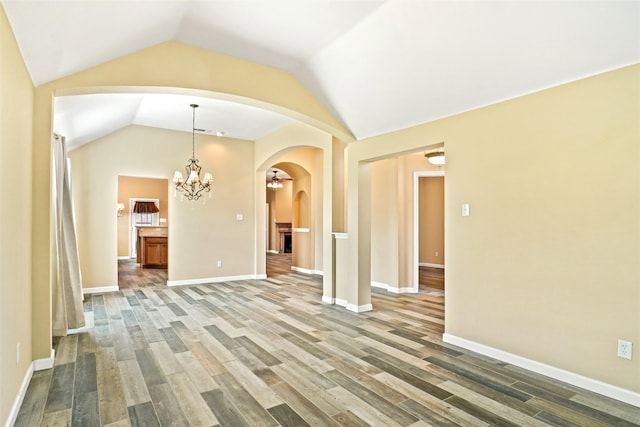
(219, 264)
(625, 349)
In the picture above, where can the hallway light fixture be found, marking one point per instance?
(435, 158)
(275, 181)
(193, 187)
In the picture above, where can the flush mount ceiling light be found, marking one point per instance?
(193, 187)
(275, 181)
(435, 158)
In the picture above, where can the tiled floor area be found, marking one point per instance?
(268, 353)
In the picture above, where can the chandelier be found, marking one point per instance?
(194, 186)
(275, 181)
(435, 158)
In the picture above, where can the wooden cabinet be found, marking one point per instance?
(152, 247)
(155, 252)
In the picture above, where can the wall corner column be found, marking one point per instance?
(41, 249)
(359, 230)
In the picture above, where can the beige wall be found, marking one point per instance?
(431, 221)
(16, 117)
(549, 256)
(132, 187)
(385, 211)
(283, 202)
(211, 228)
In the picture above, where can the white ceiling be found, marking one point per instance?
(378, 65)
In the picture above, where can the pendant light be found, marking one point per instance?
(194, 186)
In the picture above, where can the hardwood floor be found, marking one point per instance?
(431, 278)
(278, 264)
(268, 353)
(131, 276)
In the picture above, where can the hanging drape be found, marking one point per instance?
(67, 289)
(145, 207)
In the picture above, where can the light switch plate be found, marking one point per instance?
(465, 209)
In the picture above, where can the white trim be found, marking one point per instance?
(100, 290)
(46, 363)
(428, 264)
(271, 251)
(416, 220)
(206, 280)
(341, 302)
(17, 403)
(124, 258)
(393, 289)
(36, 365)
(328, 300)
(352, 307)
(343, 236)
(306, 270)
(359, 308)
(609, 390)
(300, 230)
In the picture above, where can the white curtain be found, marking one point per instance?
(67, 289)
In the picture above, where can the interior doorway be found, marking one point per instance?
(429, 261)
(144, 203)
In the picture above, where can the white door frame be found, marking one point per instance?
(416, 222)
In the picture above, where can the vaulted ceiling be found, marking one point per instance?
(378, 65)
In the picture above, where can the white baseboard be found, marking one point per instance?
(395, 290)
(17, 403)
(36, 365)
(100, 290)
(341, 302)
(271, 251)
(353, 307)
(428, 264)
(124, 258)
(612, 391)
(46, 363)
(306, 270)
(328, 300)
(359, 308)
(206, 280)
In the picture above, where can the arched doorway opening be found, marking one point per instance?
(289, 238)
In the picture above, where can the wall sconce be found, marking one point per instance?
(120, 209)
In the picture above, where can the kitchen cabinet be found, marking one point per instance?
(152, 246)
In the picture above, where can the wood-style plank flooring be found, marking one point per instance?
(268, 353)
(431, 278)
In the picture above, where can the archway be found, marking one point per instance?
(289, 216)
